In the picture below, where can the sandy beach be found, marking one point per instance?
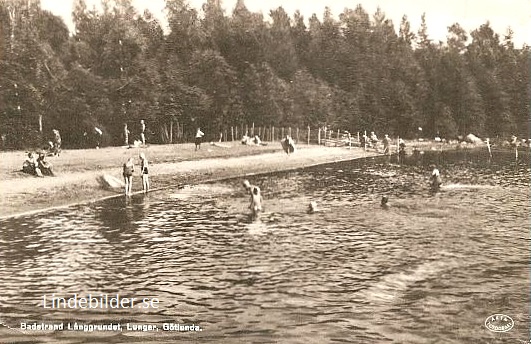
(77, 171)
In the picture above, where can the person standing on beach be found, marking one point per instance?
(142, 132)
(129, 168)
(56, 142)
(126, 135)
(386, 142)
(144, 172)
(198, 138)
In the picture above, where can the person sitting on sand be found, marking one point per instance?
(128, 169)
(144, 172)
(385, 202)
(436, 180)
(288, 145)
(30, 165)
(45, 167)
(373, 138)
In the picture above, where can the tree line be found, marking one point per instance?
(213, 70)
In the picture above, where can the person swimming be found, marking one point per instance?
(436, 180)
(256, 197)
(256, 200)
(385, 202)
(312, 207)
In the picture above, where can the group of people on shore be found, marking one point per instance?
(37, 165)
(129, 169)
(142, 134)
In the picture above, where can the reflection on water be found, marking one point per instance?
(429, 269)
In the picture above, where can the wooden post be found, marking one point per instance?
(252, 133)
(40, 123)
(171, 130)
(272, 133)
(308, 135)
(297, 134)
(488, 147)
(246, 130)
(289, 131)
(232, 132)
(237, 132)
(365, 140)
(398, 144)
(319, 136)
(225, 134)
(358, 137)
(282, 133)
(338, 134)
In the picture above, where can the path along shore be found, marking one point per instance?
(77, 171)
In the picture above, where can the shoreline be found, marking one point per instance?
(21, 196)
(77, 181)
(165, 187)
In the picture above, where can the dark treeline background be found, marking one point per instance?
(353, 72)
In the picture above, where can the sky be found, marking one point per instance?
(440, 14)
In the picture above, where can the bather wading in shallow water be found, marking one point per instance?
(436, 180)
(256, 198)
(384, 204)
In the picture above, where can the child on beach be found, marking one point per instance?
(144, 172)
(129, 168)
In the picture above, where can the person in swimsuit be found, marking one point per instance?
(436, 180)
(385, 202)
(256, 197)
(256, 200)
(129, 168)
(144, 172)
(142, 131)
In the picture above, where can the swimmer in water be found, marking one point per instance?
(436, 180)
(384, 203)
(312, 207)
(256, 200)
(256, 197)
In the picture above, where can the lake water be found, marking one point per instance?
(430, 269)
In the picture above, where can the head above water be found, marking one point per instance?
(385, 199)
(256, 190)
